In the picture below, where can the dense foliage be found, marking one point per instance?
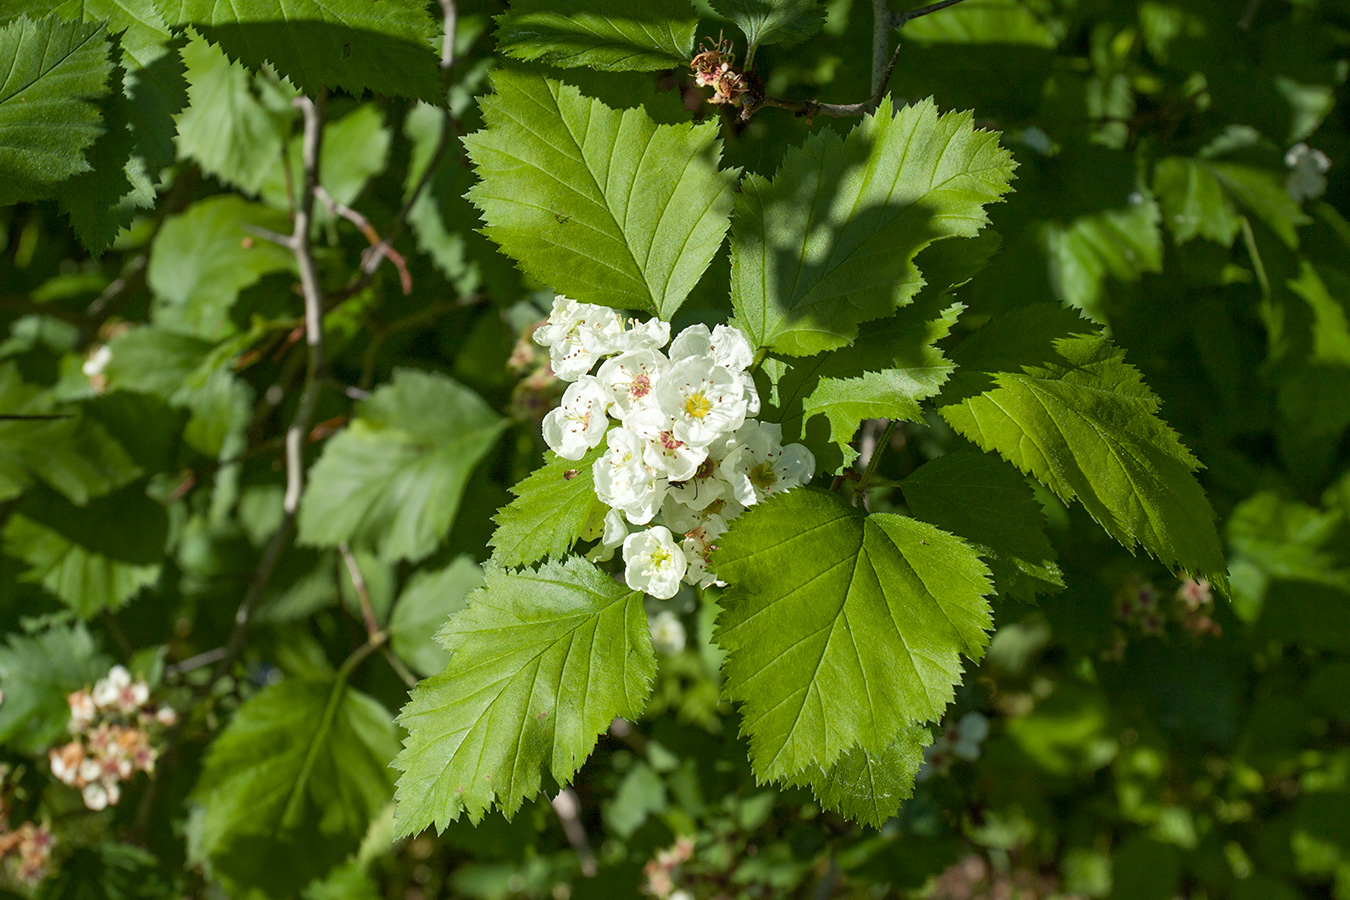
(729, 448)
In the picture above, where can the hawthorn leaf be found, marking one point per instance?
(94, 557)
(108, 871)
(55, 72)
(37, 673)
(1193, 201)
(985, 501)
(430, 598)
(773, 21)
(609, 35)
(291, 785)
(883, 375)
(1264, 194)
(392, 481)
(553, 506)
(842, 629)
(603, 205)
(870, 787)
(1040, 387)
(226, 129)
(353, 45)
(540, 663)
(1115, 244)
(830, 241)
(203, 257)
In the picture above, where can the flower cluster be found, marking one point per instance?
(26, 850)
(112, 726)
(663, 871)
(1143, 608)
(715, 67)
(1307, 178)
(686, 447)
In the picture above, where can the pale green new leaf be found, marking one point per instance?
(830, 241)
(36, 675)
(355, 45)
(982, 499)
(425, 605)
(226, 129)
(54, 70)
(540, 663)
(610, 35)
(773, 21)
(392, 481)
(870, 787)
(883, 375)
(842, 629)
(203, 257)
(602, 205)
(291, 785)
(1057, 400)
(553, 506)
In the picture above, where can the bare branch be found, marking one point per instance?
(568, 808)
(362, 592)
(379, 248)
(904, 18)
(881, 42)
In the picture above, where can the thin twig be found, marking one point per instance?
(568, 808)
(379, 248)
(836, 110)
(362, 591)
(399, 668)
(882, 19)
(904, 18)
(882, 443)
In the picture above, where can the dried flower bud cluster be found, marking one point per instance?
(715, 67)
(538, 389)
(686, 448)
(25, 850)
(664, 870)
(1143, 608)
(112, 726)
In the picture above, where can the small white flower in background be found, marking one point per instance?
(668, 636)
(685, 447)
(971, 731)
(960, 740)
(1307, 178)
(653, 562)
(579, 423)
(97, 363)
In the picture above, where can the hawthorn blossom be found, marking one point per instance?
(763, 466)
(1307, 178)
(631, 379)
(579, 423)
(625, 482)
(668, 635)
(653, 562)
(705, 400)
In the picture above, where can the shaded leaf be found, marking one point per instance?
(610, 35)
(37, 674)
(423, 608)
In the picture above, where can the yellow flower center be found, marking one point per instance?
(763, 476)
(697, 405)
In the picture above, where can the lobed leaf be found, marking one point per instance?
(37, 673)
(841, 629)
(540, 663)
(1043, 389)
(610, 35)
(773, 21)
(553, 506)
(392, 481)
(830, 241)
(870, 787)
(603, 205)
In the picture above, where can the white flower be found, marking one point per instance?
(725, 345)
(705, 400)
(97, 363)
(707, 489)
(108, 691)
(763, 466)
(576, 335)
(625, 482)
(89, 769)
(699, 541)
(652, 334)
(1307, 179)
(662, 451)
(611, 538)
(166, 716)
(96, 796)
(668, 636)
(653, 562)
(631, 379)
(972, 729)
(579, 423)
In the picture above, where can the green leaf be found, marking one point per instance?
(94, 557)
(830, 241)
(1263, 193)
(37, 674)
(1042, 389)
(1115, 244)
(540, 663)
(1193, 201)
(773, 21)
(54, 70)
(883, 375)
(870, 787)
(107, 871)
(392, 481)
(841, 629)
(982, 499)
(354, 45)
(430, 598)
(553, 506)
(603, 205)
(203, 257)
(610, 35)
(291, 785)
(138, 143)
(355, 149)
(226, 129)
(75, 456)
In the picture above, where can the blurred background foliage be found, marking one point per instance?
(1184, 180)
